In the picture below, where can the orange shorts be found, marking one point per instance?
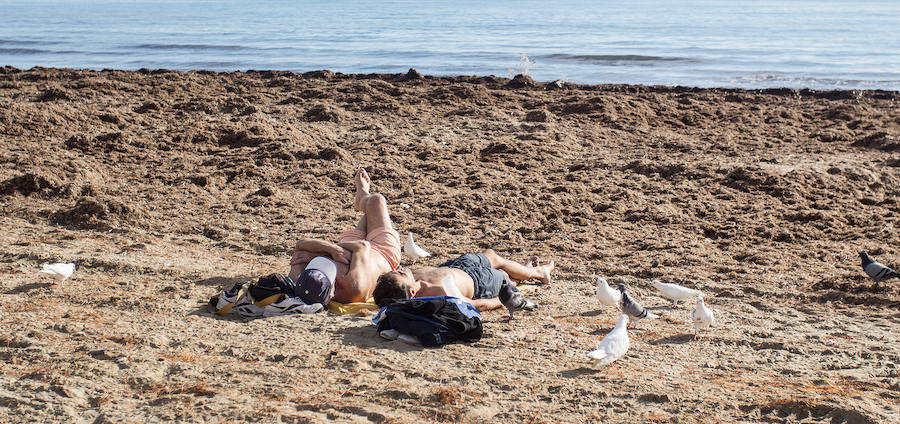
(386, 242)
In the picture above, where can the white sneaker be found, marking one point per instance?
(390, 334)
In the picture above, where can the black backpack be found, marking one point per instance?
(270, 289)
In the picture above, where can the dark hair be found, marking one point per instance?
(388, 289)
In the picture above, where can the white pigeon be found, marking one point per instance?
(59, 271)
(674, 292)
(614, 344)
(702, 316)
(413, 250)
(607, 295)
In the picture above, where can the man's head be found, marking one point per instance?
(399, 285)
(316, 283)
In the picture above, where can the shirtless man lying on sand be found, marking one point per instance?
(359, 257)
(483, 279)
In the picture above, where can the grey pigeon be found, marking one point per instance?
(877, 271)
(514, 301)
(632, 307)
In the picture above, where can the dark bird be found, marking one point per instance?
(632, 307)
(877, 271)
(514, 301)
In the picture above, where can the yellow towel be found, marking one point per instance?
(353, 307)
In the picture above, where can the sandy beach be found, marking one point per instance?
(165, 187)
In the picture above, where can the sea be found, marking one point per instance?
(816, 44)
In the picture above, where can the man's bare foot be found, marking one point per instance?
(363, 183)
(544, 270)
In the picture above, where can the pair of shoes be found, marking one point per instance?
(227, 300)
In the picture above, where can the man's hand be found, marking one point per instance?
(301, 256)
(341, 255)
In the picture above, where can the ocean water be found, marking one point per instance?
(822, 44)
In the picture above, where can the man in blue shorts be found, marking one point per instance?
(483, 279)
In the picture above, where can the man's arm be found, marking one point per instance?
(302, 257)
(485, 304)
(322, 247)
(351, 287)
(355, 249)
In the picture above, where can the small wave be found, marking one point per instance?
(765, 80)
(22, 51)
(215, 65)
(614, 58)
(194, 47)
(8, 42)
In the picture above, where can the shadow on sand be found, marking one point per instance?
(207, 311)
(578, 372)
(676, 339)
(25, 288)
(366, 337)
(222, 282)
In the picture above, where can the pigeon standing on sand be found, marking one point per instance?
(59, 271)
(614, 344)
(674, 292)
(876, 271)
(607, 295)
(702, 316)
(514, 301)
(413, 250)
(632, 307)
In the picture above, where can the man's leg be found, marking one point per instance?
(361, 226)
(358, 233)
(518, 271)
(374, 206)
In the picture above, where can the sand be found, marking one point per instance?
(164, 187)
